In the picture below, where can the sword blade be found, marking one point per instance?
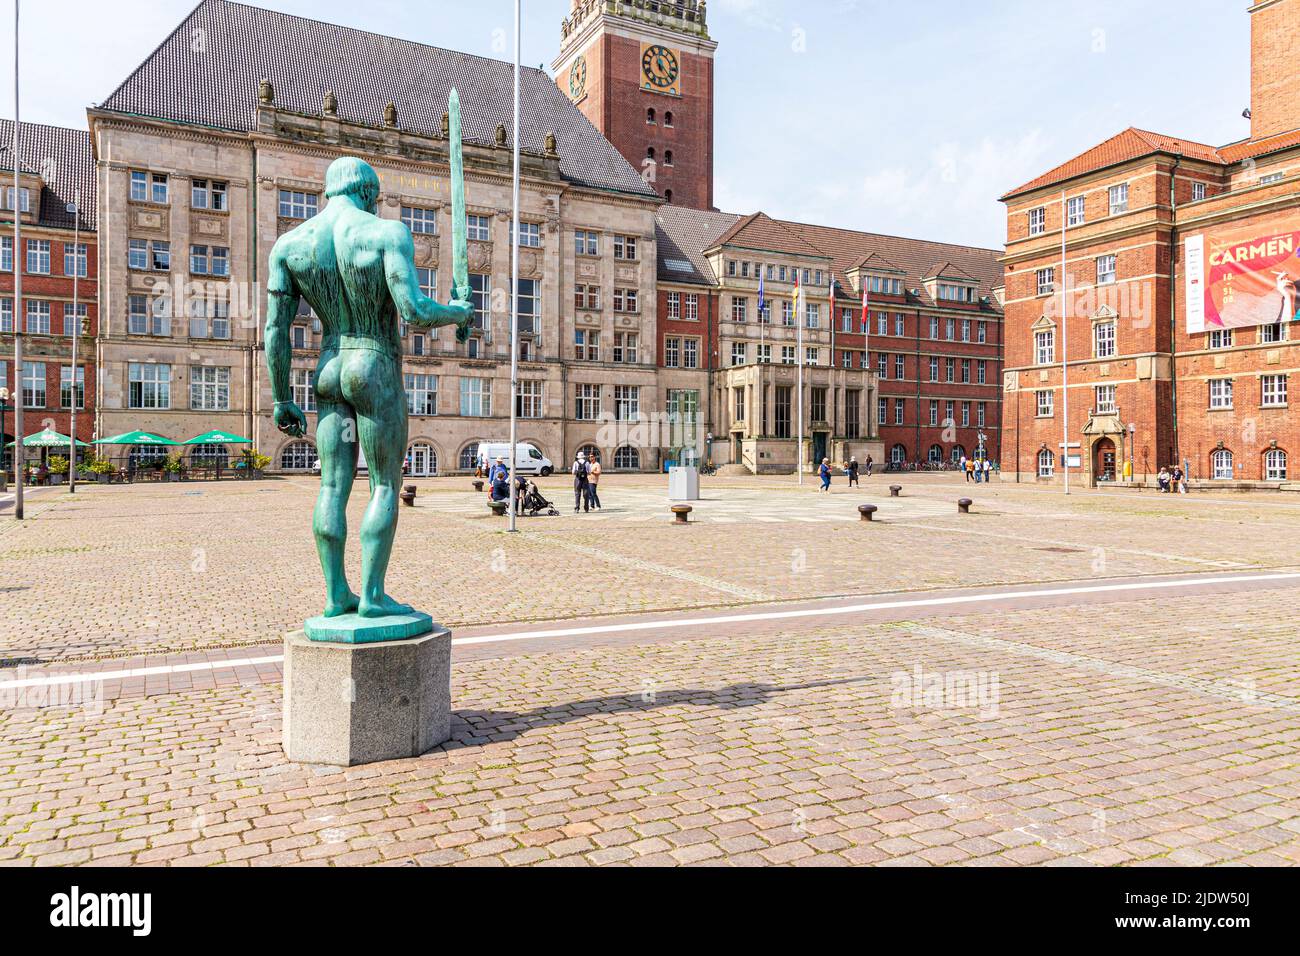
(459, 241)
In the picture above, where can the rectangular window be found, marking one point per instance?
(738, 353)
(965, 371)
(33, 385)
(586, 243)
(586, 402)
(811, 355)
(781, 411)
(673, 305)
(530, 306)
(899, 367)
(625, 347)
(421, 394)
(1274, 332)
(1198, 191)
(625, 300)
(74, 322)
(981, 372)
(882, 323)
(1105, 270)
(1046, 280)
(852, 414)
(1220, 393)
(1075, 211)
(149, 386)
(480, 293)
(420, 220)
(209, 388)
(302, 383)
(160, 256)
(625, 247)
(137, 254)
(627, 403)
(295, 204)
(814, 315)
(38, 256)
(530, 235)
(882, 365)
(209, 194)
(787, 355)
(980, 413)
(981, 332)
(692, 307)
(1045, 399)
(74, 259)
(24, 198)
(1118, 199)
(38, 317)
(934, 368)
(934, 327)
(6, 253)
(1045, 347)
(956, 293)
(739, 308)
(586, 345)
(1037, 221)
(148, 187)
(691, 353)
(586, 297)
(949, 370)
(475, 397)
(210, 260)
(1272, 391)
(899, 406)
(965, 414)
(934, 413)
(1103, 339)
(817, 403)
(1105, 398)
(1220, 339)
(478, 228)
(66, 387)
(672, 352)
(528, 403)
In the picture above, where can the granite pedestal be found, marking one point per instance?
(350, 704)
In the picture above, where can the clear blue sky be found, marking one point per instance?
(900, 117)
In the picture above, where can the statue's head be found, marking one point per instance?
(353, 177)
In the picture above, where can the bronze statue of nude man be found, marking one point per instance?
(357, 272)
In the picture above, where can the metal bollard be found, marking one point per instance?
(963, 505)
(408, 496)
(866, 511)
(895, 490)
(681, 513)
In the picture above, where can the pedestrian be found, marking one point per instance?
(581, 484)
(500, 481)
(825, 472)
(870, 463)
(969, 465)
(852, 470)
(1162, 480)
(979, 471)
(1177, 482)
(593, 481)
(988, 471)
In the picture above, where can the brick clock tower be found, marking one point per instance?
(642, 72)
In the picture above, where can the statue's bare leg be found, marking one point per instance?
(380, 403)
(338, 461)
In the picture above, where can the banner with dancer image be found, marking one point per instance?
(1241, 277)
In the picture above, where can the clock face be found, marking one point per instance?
(659, 67)
(578, 78)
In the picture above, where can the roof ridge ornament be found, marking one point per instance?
(265, 93)
(330, 107)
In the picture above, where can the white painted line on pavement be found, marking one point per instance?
(657, 625)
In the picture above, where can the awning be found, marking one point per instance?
(217, 437)
(47, 439)
(136, 438)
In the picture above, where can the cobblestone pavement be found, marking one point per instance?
(125, 571)
(1150, 732)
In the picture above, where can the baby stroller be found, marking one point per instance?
(534, 504)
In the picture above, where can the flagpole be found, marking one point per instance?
(19, 263)
(799, 320)
(1065, 361)
(514, 299)
(76, 334)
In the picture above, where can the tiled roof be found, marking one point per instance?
(1131, 144)
(683, 235)
(946, 270)
(63, 159)
(760, 231)
(304, 59)
(1236, 152)
(874, 262)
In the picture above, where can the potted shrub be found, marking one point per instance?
(101, 468)
(174, 466)
(58, 466)
(258, 463)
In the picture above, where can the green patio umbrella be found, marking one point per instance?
(218, 437)
(135, 438)
(48, 438)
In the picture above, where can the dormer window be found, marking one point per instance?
(949, 292)
(883, 285)
(24, 197)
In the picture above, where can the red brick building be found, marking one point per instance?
(55, 168)
(1150, 298)
(643, 74)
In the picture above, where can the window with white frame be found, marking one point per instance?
(74, 259)
(934, 368)
(1272, 332)
(788, 355)
(38, 317)
(1272, 391)
(625, 300)
(427, 279)
(1045, 347)
(672, 352)
(302, 383)
(900, 366)
(1275, 465)
(38, 256)
(1074, 211)
(1105, 269)
(1037, 221)
(1103, 339)
(1221, 465)
(625, 347)
(586, 242)
(421, 394)
(148, 187)
(981, 372)
(1046, 463)
(298, 456)
(673, 305)
(1118, 199)
(6, 253)
(627, 402)
(475, 397)
(295, 204)
(1220, 339)
(956, 293)
(478, 228)
(33, 384)
(586, 407)
(24, 198)
(814, 315)
(210, 260)
(66, 388)
(1220, 393)
(528, 400)
(1105, 399)
(812, 355)
(1046, 280)
(739, 308)
(625, 247)
(691, 307)
(586, 345)
(420, 220)
(74, 321)
(1045, 399)
(627, 458)
(1198, 192)
(209, 388)
(149, 385)
(691, 353)
(738, 353)
(934, 412)
(530, 305)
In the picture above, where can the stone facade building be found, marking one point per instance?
(1150, 298)
(55, 170)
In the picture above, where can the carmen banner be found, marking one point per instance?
(1241, 278)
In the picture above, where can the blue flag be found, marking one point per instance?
(761, 301)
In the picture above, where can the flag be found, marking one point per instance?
(761, 299)
(797, 296)
(866, 310)
(832, 317)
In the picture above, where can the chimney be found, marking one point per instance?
(1274, 67)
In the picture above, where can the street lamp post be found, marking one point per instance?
(19, 263)
(74, 207)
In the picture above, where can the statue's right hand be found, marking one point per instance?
(290, 419)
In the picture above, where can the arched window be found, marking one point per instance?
(936, 454)
(298, 456)
(650, 116)
(1275, 465)
(423, 459)
(898, 454)
(668, 118)
(650, 152)
(209, 456)
(627, 458)
(958, 453)
(1046, 463)
(590, 451)
(144, 457)
(1221, 465)
(668, 157)
(668, 194)
(468, 457)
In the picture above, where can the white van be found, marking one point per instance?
(528, 460)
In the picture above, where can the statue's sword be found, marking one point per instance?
(459, 244)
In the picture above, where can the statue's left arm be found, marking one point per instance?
(281, 307)
(413, 305)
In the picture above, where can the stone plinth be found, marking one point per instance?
(349, 704)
